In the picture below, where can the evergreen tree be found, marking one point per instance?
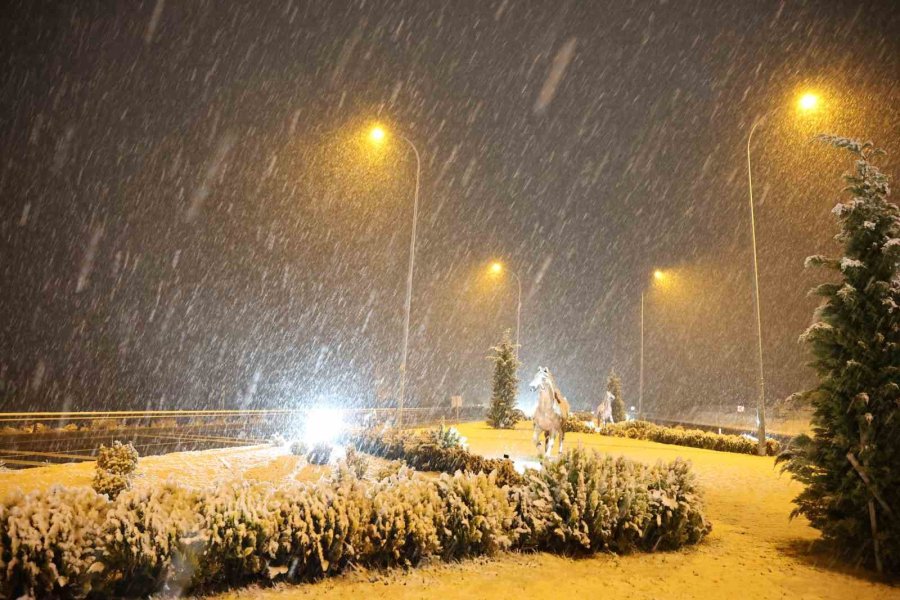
(502, 413)
(850, 464)
(614, 387)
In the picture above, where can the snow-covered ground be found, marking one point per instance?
(201, 468)
(753, 551)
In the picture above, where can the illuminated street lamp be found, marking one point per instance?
(377, 135)
(659, 276)
(808, 102)
(496, 268)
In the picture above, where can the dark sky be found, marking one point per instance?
(189, 216)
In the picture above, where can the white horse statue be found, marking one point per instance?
(604, 410)
(551, 412)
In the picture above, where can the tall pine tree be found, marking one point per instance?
(850, 464)
(614, 387)
(502, 413)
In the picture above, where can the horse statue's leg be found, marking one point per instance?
(549, 441)
(536, 438)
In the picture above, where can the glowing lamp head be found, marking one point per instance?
(496, 268)
(377, 134)
(808, 102)
(658, 275)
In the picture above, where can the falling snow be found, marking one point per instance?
(192, 215)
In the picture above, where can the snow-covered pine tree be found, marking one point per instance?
(502, 413)
(850, 464)
(614, 387)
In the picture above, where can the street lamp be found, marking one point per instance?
(377, 135)
(659, 276)
(808, 102)
(496, 268)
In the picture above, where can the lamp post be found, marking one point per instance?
(659, 276)
(377, 135)
(641, 382)
(496, 269)
(761, 400)
(807, 102)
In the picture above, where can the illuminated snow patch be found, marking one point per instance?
(337, 453)
(522, 465)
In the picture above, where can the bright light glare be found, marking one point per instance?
(808, 101)
(659, 275)
(496, 268)
(323, 426)
(377, 134)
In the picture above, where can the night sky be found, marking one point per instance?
(191, 217)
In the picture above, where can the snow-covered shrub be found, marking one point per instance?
(582, 508)
(319, 454)
(477, 516)
(576, 424)
(588, 502)
(446, 437)
(391, 444)
(422, 454)
(677, 513)
(277, 440)
(319, 529)
(143, 536)
(115, 468)
(237, 534)
(389, 469)
(110, 483)
(405, 522)
(356, 462)
(49, 542)
(118, 458)
(299, 448)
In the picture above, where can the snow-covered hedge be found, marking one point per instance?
(421, 452)
(74, 542)
(695, 438)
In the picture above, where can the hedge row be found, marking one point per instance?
(695, 438)
(72, 542)
(424, 452)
